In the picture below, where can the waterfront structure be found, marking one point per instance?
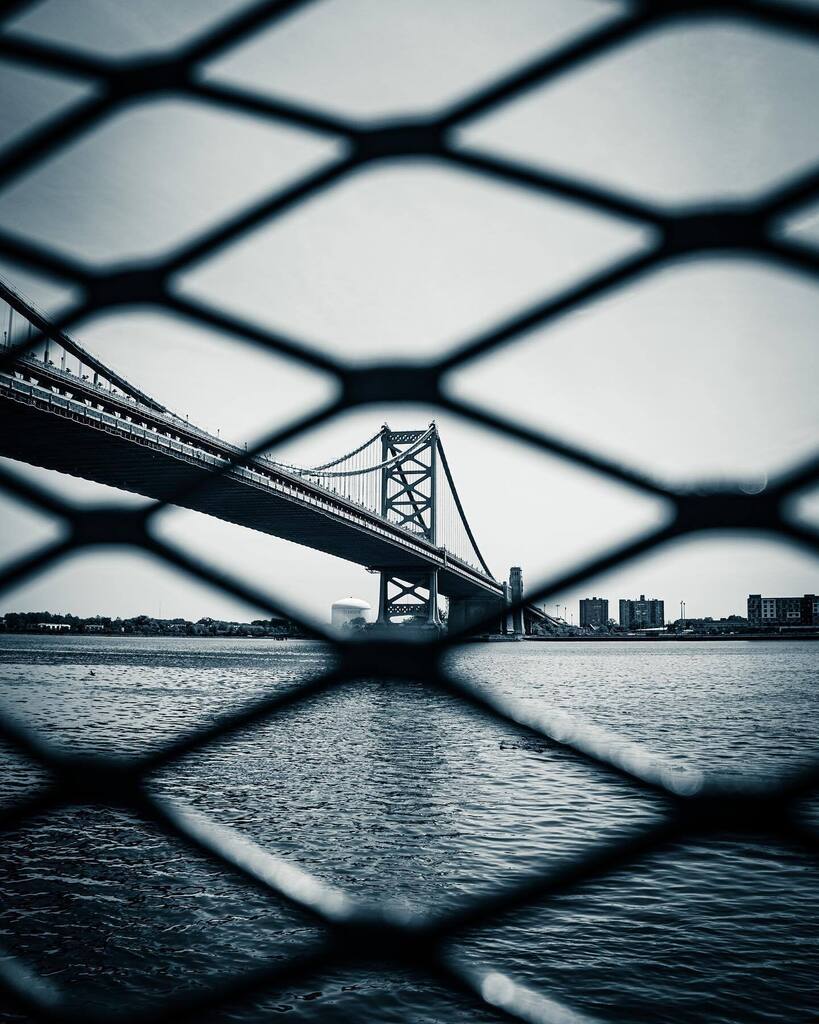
(729, 624)
(644, 613)
(517, 625)
(594, 611)
(343, 612)
(389, 505)
(783, 611)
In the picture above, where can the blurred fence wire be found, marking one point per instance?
(357, 935)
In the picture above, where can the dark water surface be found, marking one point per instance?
(395, 792)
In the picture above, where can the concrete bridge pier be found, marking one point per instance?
(466, 612)
(494, 613)
(516, 621)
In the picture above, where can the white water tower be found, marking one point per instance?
(347, 609)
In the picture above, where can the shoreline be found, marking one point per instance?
(670, 638)
(496, 638)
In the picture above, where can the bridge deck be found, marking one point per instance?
(111, 440)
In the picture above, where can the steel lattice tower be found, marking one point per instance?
(408, 498)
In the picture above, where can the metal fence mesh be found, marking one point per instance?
(357, 935)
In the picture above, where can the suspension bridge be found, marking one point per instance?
(390, 505)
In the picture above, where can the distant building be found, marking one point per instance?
(644, 613)
(344, 611)
(94, 627)
(594, 611)
(783, 611)
(54, 627)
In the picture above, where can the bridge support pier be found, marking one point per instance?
(409, 593)
(517, 624)
(466, 612)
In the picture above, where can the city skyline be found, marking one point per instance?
(758, 609)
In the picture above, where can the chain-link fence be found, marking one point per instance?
(354, 935)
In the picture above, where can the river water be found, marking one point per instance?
(396, 792)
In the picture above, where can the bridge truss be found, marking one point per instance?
(396, 472)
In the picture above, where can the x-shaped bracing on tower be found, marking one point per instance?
(408, 493)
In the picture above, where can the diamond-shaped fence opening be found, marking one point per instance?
(357, 933)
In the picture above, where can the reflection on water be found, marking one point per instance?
(393, 792)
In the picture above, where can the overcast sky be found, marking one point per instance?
(704, 369)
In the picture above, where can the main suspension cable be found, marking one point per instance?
(461, 513)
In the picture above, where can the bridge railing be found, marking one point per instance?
(695, 808)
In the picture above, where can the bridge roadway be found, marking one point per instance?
(54, 419)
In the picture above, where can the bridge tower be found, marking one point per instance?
(408, 499)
